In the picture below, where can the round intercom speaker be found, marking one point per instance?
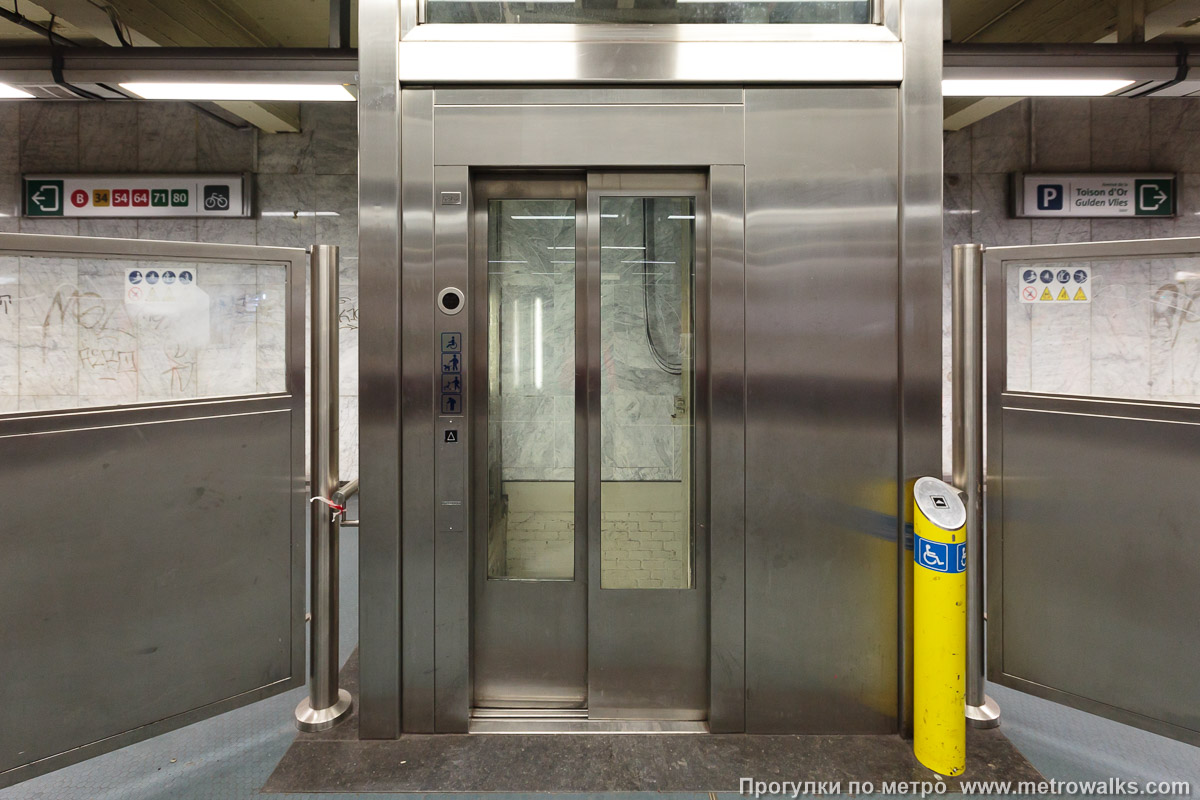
(450, 300)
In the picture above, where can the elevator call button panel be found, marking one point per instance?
(451, 376)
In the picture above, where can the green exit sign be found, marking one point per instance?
(43, 198)
(1154, 197)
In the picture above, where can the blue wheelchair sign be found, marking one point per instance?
(940, 556)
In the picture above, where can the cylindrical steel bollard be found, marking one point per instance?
(326, 704)
(939, 627)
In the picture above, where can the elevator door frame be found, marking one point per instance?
(627, 663)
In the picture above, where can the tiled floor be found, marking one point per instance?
(231, 756)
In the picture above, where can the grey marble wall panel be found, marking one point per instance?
(108, 137)
(326, 144)
(1061, 134)
(10, 137)
(49, 137)
(1108, 230)
(166, 137)
(9, 326)
(282, 197)
(223, 148)
(993, 225)
(1120, 134)
(956, 151)
(1174, 133)
(109, 228)
(10, 202)
(46, 225)
(1000, 142)
(1049, 231)
(174, 230)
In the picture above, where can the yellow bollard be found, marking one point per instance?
(939, 627)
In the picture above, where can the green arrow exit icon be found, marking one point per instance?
(1154, 198)
(43, 198)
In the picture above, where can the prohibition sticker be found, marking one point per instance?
(1044, 284)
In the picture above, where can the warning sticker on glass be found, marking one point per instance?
(1049, 285)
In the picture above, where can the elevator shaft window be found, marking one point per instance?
(649, 12)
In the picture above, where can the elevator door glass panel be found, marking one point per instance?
(647, 256)
(531, 389)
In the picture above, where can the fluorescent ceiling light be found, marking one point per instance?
(13, 93)
(1032, 87)
(681, 216)
(304, 92)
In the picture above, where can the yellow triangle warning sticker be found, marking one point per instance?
(1062, 294)
(1079, 295)
(153, 295)
(1046, 295)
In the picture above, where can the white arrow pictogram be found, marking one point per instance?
(37, 198)
(1161, 197)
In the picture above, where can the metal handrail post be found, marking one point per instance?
(326, 704)
(966, 266)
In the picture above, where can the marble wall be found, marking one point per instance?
(1136, 338)
(311, 171)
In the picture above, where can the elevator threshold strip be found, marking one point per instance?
(573, 720)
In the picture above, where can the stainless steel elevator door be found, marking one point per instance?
(590, 567)
(529, 625)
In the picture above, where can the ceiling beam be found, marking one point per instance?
(185, 23)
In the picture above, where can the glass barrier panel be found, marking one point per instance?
(1127, 329)
(641, 12)
(92, 332)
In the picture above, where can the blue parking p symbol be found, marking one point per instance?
(1049, 197)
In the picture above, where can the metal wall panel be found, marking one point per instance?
(920, 292)
(586, 95)
(147, 572)
(418, 369)
(821, 410)
(727, 448)
(452, 533)
(379, 369)
(583, 136)
(1099, 566)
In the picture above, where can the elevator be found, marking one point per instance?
(589, 547)
(649, 356)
